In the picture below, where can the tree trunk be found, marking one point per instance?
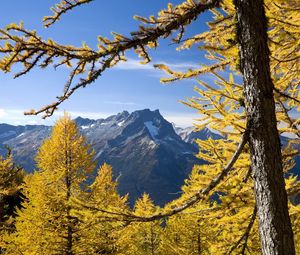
(68, 183)
(274, 223)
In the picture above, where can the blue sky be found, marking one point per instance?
(129, 86)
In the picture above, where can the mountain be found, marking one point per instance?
(189, 134)
(24, 141)
(146, 153)
(144, 150)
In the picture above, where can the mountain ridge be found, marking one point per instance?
(147, 153)
(142, 147)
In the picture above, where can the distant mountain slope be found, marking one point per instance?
(148, 154)
(144, 150)
(24, 140)
(189, 134)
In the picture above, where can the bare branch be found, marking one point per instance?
(248, 175)
(294, 190)
(288, 118)
(61, 8)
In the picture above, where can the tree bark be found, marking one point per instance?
(274, 223)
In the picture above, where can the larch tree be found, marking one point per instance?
(11, 197)
(141, 238)
(250, 103)
(99, 231)
(188, 234)
(46, 224)
(255, 39)
(225, 222)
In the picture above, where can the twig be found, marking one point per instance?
(111, 51)
(61, 9)
(286, 95)
(246, 235)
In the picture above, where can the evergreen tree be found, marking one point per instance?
(47, 225)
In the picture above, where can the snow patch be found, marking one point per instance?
(85, 127)
(152, 144)
(187, 152)
(153, 130)
(120, 124)
(98, 154)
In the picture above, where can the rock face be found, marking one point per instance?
(148, 154)
(24, 141)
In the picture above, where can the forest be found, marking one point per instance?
(242, 200)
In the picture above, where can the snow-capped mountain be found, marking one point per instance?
(189, 134)
(146, 153)
(144, 150)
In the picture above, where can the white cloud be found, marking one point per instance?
(2, 113)
(17, 117)
(181, 66)
(134, 64)
(180, 119)
(90, 115)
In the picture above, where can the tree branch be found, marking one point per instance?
(61, 8)
(288, 118)
(286, 95)
(28, 49)
(246, 235)
(195, 198)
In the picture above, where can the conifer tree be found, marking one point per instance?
(11, 179)
(223, 109)
(239, 40)
(47, 225)
(99, 231)
(141, 238)
(187, 234)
